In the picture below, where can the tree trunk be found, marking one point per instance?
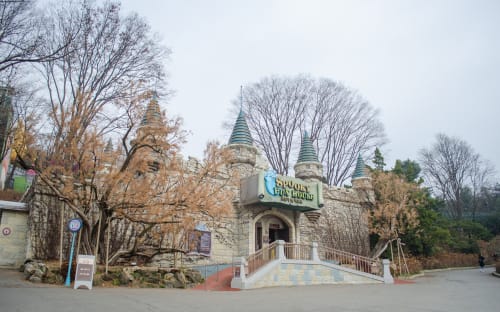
(379, 248)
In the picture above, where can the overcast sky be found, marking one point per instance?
(428, 66)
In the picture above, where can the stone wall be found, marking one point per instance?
(344, 221)
(234, 236)
(298, 274)
(48, 216)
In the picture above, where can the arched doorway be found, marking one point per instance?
(270, 228)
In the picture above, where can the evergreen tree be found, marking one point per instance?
(378, 160)
(408, 169)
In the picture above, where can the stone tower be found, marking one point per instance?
(152, 117)
(308, 166)
(241, 143)
(362, 182)
(148, 129)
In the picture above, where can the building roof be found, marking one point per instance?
(307, 152)
(360, 171)
(9, 205)
(241, 132)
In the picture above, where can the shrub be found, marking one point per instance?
(449, 260)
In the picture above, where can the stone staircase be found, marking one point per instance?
(288, 264)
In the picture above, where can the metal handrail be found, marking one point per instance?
(295, 251)
(261, 257)
(357, 262)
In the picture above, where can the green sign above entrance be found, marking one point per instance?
(269, 188)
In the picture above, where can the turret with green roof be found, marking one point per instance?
(361, 181)
(308, 166)
(241, 142)
(241, 132)
(360, 171)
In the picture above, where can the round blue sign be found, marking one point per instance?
(74, 225)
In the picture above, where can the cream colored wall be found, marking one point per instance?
(13, 246)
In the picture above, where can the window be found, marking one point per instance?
(154, 166)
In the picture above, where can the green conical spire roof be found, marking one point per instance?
(241, 132)
(152, 115)
(307, 152)
(359, 172)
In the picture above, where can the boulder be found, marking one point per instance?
(181, 277)
(169, 276)
(38, 273)
(124, 278)
(35, 279)
(193, 276)
(29, 268)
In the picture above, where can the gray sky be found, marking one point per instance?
(428, 66)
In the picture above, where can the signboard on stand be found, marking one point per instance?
(85, 265)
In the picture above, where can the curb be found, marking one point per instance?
(422, 273)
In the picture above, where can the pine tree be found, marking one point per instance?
(378, 160)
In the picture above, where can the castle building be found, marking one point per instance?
(267, 206)
(300, 209)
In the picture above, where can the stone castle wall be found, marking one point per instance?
(235, 235)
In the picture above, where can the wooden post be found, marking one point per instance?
(61, 229)
(107, 244)
(98, 237)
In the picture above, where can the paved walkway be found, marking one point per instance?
(453, 290)
(220, 281)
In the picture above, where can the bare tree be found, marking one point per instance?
(139, 194)
(449, 166)
(22, 35)
(345, 230)
(341, 123)
(276, 111)
(109, 56)
(141, 191)
(481, 172)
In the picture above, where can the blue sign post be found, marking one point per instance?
(74, 226)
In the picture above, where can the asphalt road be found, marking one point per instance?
(452, 290)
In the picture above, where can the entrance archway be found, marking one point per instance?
(270, 228)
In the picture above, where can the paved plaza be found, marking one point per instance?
(451, 290)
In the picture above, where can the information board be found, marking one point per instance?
(85, 265)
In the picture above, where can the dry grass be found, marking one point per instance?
(441, 261)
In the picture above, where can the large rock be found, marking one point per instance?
(169, 276)
(193, 276)
(35, 279)
(124, 278)
(181, 277)
(35, 271)
(29, 268)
